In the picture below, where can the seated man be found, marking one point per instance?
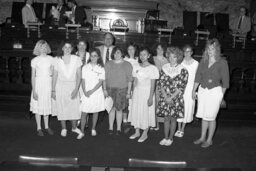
(242, 24)
(78, 15)
(28, 13)
(57, 14)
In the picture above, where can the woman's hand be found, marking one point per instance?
(223, 104)
(35, 95)
(194, 95)
(169, 100)
(74, 94)
(53, 94)
(150, 101)
(105, 93)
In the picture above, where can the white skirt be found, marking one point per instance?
(93, 104)
(209, 101)
(189, 106)
(43, 87)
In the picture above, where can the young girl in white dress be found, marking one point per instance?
(66, 83)
(41, 78)
(142, 114)
(93, 100)
(189, 104)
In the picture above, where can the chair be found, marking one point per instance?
(133, 162)
(49, 161)
(204, 35)
(239, 38)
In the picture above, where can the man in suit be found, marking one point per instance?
(78, 15)
(242, 24)
(57, 14)
(107, 48)
(28, 13)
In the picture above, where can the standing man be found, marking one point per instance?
(78, 15)
(28, 13)
(242, 24)
(107, 48)
(57, 14)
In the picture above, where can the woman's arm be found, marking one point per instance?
(96, 87)
(152, 90)
(54, 81)
(33, 83)
(78, 82)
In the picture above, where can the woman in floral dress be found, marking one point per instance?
(172, 83)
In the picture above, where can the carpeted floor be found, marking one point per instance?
(234, 144)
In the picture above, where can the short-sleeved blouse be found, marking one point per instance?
(42, 64)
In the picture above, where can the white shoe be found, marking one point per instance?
(94, 133)
(63, 132)
(168, 142)
(80, 136)
(133, 136)
(78, 131)
(163, 141)
(177, 134)
(142, 139)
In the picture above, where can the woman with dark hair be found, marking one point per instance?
(118, 86)
(66, 83)
(142, 114)
(189, 103)
(93, 75)
(159, 60)
(213, 77)
(172, 84)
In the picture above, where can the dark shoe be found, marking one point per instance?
(110, 132)
(40, 133)
(49, 131)
(206, 144)
(118, 132)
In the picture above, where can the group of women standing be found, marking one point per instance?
(143, 88)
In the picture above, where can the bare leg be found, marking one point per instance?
(119, 117)
(212, 128)
(46, 121)
(166, 127)
(111, 118)
(179, 126)
(38, 121)
(183, 127)
(173, 127)
(74, 124)
(63, 124)
(125, 116)
(83, 121)
(94, 120)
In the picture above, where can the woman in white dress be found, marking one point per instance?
(41, 79)
(93, 100)
(66, 83)
(132, 57)
(189, 103)
(142, 114)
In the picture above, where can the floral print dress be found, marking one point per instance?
(171, 79)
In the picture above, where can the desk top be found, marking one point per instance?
(17, 166)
